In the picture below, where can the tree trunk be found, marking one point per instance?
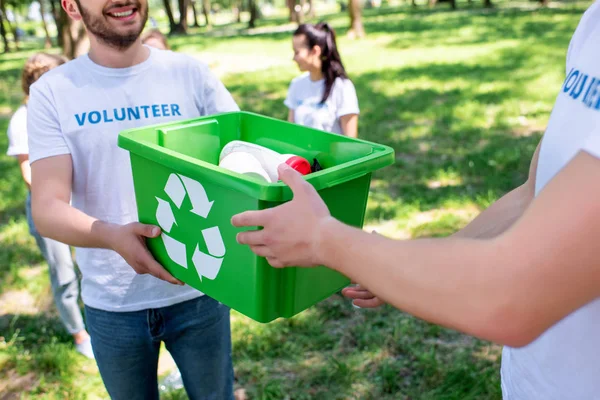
(195, 13)
(48, 41)
(206, 12)
(294, 15)
(181, 26)
(74, 37)
(356, 26)
(11, 28)
(15, 27)
(253, 13)
(169, 12)
(311, 9)
(56, 12)
(237, 11)
(544, 3)
(414, 3)
(3, 33)
(488, 3)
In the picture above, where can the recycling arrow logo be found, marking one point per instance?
(176, 189)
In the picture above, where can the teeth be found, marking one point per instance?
(123, 14)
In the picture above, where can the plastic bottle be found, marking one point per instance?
(259, 161)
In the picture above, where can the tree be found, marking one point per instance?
(181, 27)
(56, 11)
(71, 37)
(206, 12)
(295, 16)
(3, 33)
(48, 41)
(11, 28)
(169, 12)
(237, 10)
(74, 37)
(452, 3)
(311, 9)
(356, 26)
(253, 13)
(195, 13)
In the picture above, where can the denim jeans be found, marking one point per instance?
(63, 279)
(196, 333)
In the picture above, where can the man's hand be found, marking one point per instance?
(129, 241)
(291, 231)
(362, 297)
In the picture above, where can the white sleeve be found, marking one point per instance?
(290, 100)
(17, 133)
(347, 102)
(215, 97)
(43, 126)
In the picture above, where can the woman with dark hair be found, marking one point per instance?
(323, 97)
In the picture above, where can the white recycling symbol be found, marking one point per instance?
(207, 265)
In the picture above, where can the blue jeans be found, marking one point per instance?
(63, 279)
(196, 333)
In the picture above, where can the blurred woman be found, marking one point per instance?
(63, 279)
(323, 97)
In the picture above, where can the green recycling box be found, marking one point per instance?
(180, 187)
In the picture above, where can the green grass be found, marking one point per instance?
(463, 97)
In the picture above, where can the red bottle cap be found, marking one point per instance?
(299, 164)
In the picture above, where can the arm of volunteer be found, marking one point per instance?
(55, 218)
(503, 213)
(23, 160)
(290, 101)
(349, 125)
(509, 289)
(491, 222)
(348, 110)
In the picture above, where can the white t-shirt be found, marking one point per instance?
(564, 363)
(79, 109)
(17, 133)
(304, 97)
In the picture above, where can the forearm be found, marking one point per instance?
(456, 282)
(26, 173)
(25, 168)
(500, 216)
(60, 221)
(349, 125)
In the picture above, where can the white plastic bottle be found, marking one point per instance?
(250, 158)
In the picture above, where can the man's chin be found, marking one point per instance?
(127, 28)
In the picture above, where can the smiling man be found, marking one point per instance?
(82, 194)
